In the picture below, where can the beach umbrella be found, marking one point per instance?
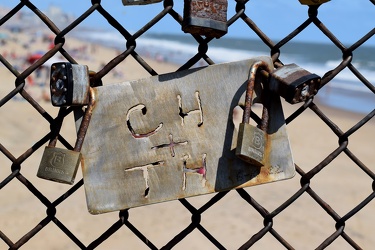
(35, 56)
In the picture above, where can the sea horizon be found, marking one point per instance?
(344, 92)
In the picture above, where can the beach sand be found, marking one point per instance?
(304, 224)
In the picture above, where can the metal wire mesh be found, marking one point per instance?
(271, 228)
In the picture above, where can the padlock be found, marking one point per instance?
(205, 17)
(313, 2)
(61, 165)
(251, 141)
(294, 83)
(69, 84)
(139, 2)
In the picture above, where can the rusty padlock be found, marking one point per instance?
(59, 164)
(252, 140)
(294, 83)
(69, 84)
(139, 2)
(205, 17)
(313, 2)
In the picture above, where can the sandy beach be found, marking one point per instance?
(304, 224)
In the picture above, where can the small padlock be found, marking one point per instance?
(61, 165)
(139, 2)
(251, 141)
(205, 17)
(294, 83)
(69, 84)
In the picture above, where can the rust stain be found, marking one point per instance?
(205, 17)
(264, 175)
(83, 166)
(211, 9)
(94, 91)
(85, 122)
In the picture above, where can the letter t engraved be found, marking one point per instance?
(144, 169)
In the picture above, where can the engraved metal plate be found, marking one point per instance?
(170, 136)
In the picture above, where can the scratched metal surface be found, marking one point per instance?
(170, 136)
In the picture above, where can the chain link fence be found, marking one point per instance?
(268, 219)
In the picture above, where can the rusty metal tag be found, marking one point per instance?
(171, 136)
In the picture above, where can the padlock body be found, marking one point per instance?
(139, 2)
(69, 84)
(251, 142)
(208, 17)
(295, 84)
(313, 2)
(59, 165)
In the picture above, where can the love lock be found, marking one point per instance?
(294, 83)
(313, 2)
(139, 2)
(69, 86)
(208, 17)
(252, 140)
(268, 146)
(170, 136)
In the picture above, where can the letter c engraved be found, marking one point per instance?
(143, 109)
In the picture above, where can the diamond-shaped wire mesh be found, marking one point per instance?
(329, 202)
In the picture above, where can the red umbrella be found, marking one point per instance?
(35, 57)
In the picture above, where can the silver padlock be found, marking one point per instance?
(69, 84)
(139, 2)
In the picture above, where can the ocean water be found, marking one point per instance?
(345, 91)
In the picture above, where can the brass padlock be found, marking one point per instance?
(139, 2)
(251, 141)
(294, 83)
(205, 17)
(61, 165)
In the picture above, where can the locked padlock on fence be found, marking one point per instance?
(59, 164)
(139, 2)
(69, 84)
(251, 141)
(205, 17)
(313, 2)
(294, 83)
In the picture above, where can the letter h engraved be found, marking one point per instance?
(201, 170)
(194, 111)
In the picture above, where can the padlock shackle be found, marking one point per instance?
(85, 121)
(56, 127)
(250, 89)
